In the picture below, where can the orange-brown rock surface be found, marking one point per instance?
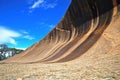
(87, 40)
(78, 31)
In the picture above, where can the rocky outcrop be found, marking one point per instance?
(80, 30)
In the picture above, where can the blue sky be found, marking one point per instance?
(24, 22)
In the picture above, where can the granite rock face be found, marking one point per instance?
(89, 27)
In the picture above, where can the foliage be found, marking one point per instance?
(6, 52)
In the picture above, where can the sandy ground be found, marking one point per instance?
(102, 68)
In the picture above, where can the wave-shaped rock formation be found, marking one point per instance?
(89, 27)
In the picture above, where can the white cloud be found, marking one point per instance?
(43, 24)
(21, 48)
(28, 37)
(49, 5)
(37, 4)
(24, 32)
(43, 4)
(51, 26)
(7, 35)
